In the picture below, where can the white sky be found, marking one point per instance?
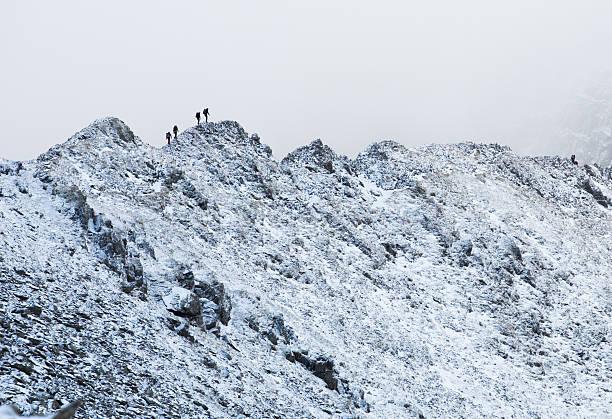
(350, 72)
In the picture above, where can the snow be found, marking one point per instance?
(362, 258)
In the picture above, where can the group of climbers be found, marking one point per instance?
(175, 128)
(205, 113)
(169, 136)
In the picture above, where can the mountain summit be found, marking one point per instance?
(206, 279)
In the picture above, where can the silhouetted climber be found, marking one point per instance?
(205, 112)
(175, 130)
(198, 117)
(168, 136)
(573, 159)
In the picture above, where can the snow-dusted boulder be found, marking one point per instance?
(212, 291)
(182, 302)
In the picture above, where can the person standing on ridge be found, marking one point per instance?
(198, 117)
(175, 130)
(168, 136)
(573, 159)
(205, 112)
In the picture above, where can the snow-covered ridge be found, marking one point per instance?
(206, 278)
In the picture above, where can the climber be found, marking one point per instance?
(175, 130)
(198, 117)
(168, 136)
(205, 112)
(573, 159)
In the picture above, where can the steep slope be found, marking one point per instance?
(206, 279)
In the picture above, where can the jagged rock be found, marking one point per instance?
(134, 275)
(271, 336)
(378, 163)
(214, 291)
(321, 366)
(10, 168)
(180, 326)
(278, 324)
(253, 323)
(82, 211)
(190, 191)
(111, 244)
(597, 194)
(172, 175)
(182, 302)
(315, 157)
(184, 276)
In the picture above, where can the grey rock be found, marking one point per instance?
(182, 302)
(214, 291)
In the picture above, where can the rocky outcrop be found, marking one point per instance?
(597, 194)
(182, 302)
(205, 298)
(323, 368)
(315, 157)
(218, 301)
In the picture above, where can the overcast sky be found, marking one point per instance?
(348, 72)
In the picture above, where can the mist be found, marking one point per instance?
(348, 72)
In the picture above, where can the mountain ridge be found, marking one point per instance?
(206, 278)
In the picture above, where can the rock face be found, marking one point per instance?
(206, 279)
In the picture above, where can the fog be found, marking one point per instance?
(348, 72)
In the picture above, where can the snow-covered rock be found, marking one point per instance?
(205, 278)
(182, 302)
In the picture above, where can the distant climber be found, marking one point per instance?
(205, 112)
(168, 136)
(198, 117)
(175, 130)
(573, 159)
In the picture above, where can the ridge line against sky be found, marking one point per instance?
(348, 72)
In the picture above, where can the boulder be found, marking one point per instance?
(212, 290)
(182, 302)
